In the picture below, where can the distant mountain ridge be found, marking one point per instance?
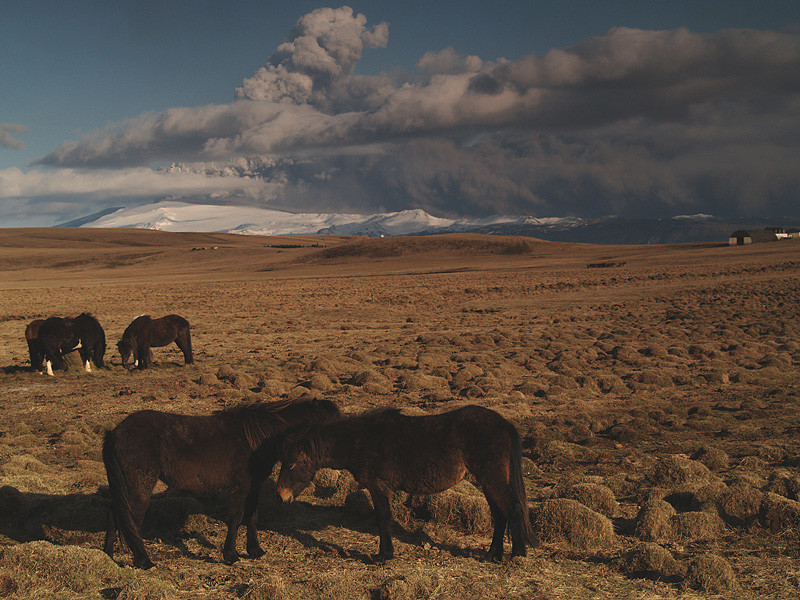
(182, 216)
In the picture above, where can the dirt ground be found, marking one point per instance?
(656, 389)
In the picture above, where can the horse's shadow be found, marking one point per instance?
(192, 525)
(68, 518)
(301, 519)
(80, 519)
(16, 369)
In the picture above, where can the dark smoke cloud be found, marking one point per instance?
(633, 121)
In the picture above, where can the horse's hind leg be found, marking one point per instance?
(516, 521)
(495, 552)
(505, 512)
(111, 533)
(184, 342)
(130, 521)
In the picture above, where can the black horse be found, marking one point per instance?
(58, 336)
(388, 451)
(232, 450)
(145, 332)
(35, 349)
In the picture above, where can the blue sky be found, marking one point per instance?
(542, 108)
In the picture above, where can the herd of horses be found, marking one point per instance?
(235, 450)
(50, 339)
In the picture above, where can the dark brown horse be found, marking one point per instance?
(35, 349)
(59, 335)
(387, 451)
(145, 332)
(232, 450)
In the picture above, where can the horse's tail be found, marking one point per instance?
(519, 496)
(185, 334)
(120, 501)
(189, 354)
(100, 347)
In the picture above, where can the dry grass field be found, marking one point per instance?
(656, 388)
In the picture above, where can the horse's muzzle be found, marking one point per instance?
(286, 495)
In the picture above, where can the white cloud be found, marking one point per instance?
(7, 140)
(144, 182)
(448, 62)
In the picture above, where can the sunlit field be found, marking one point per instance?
(656, 390)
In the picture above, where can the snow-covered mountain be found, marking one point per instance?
(182, 216)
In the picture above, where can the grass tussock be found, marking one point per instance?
(711, 574)
(40, 570)
(568, 521)
(648, 559)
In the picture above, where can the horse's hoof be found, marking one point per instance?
(493, 557)
(230, 558)
(143, 564)
(256, 552)
(381, 558)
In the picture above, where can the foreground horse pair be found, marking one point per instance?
(50, 339)
(384, 450)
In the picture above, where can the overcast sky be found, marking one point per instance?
(552, 108)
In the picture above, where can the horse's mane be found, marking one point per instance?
(263, 420)
(381, 411)
(311, 438)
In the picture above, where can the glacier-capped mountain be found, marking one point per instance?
(184, 216)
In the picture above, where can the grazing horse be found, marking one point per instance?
(59, 335)
(34, 344)
(145, 332)
(387, 451)
(232, 450)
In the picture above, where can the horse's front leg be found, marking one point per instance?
(382, 500)
(254, 549)
(234, 520)
(145, 356)
(85, 354)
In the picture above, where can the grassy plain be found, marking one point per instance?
(657, 390)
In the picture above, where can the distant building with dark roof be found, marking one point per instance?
(742, 237)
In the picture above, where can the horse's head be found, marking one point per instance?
(125, 347)
(298, 467)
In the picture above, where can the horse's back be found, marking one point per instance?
(165, 330)
(429, 453)
(466, 423)
(177, 320)
(170, 439)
